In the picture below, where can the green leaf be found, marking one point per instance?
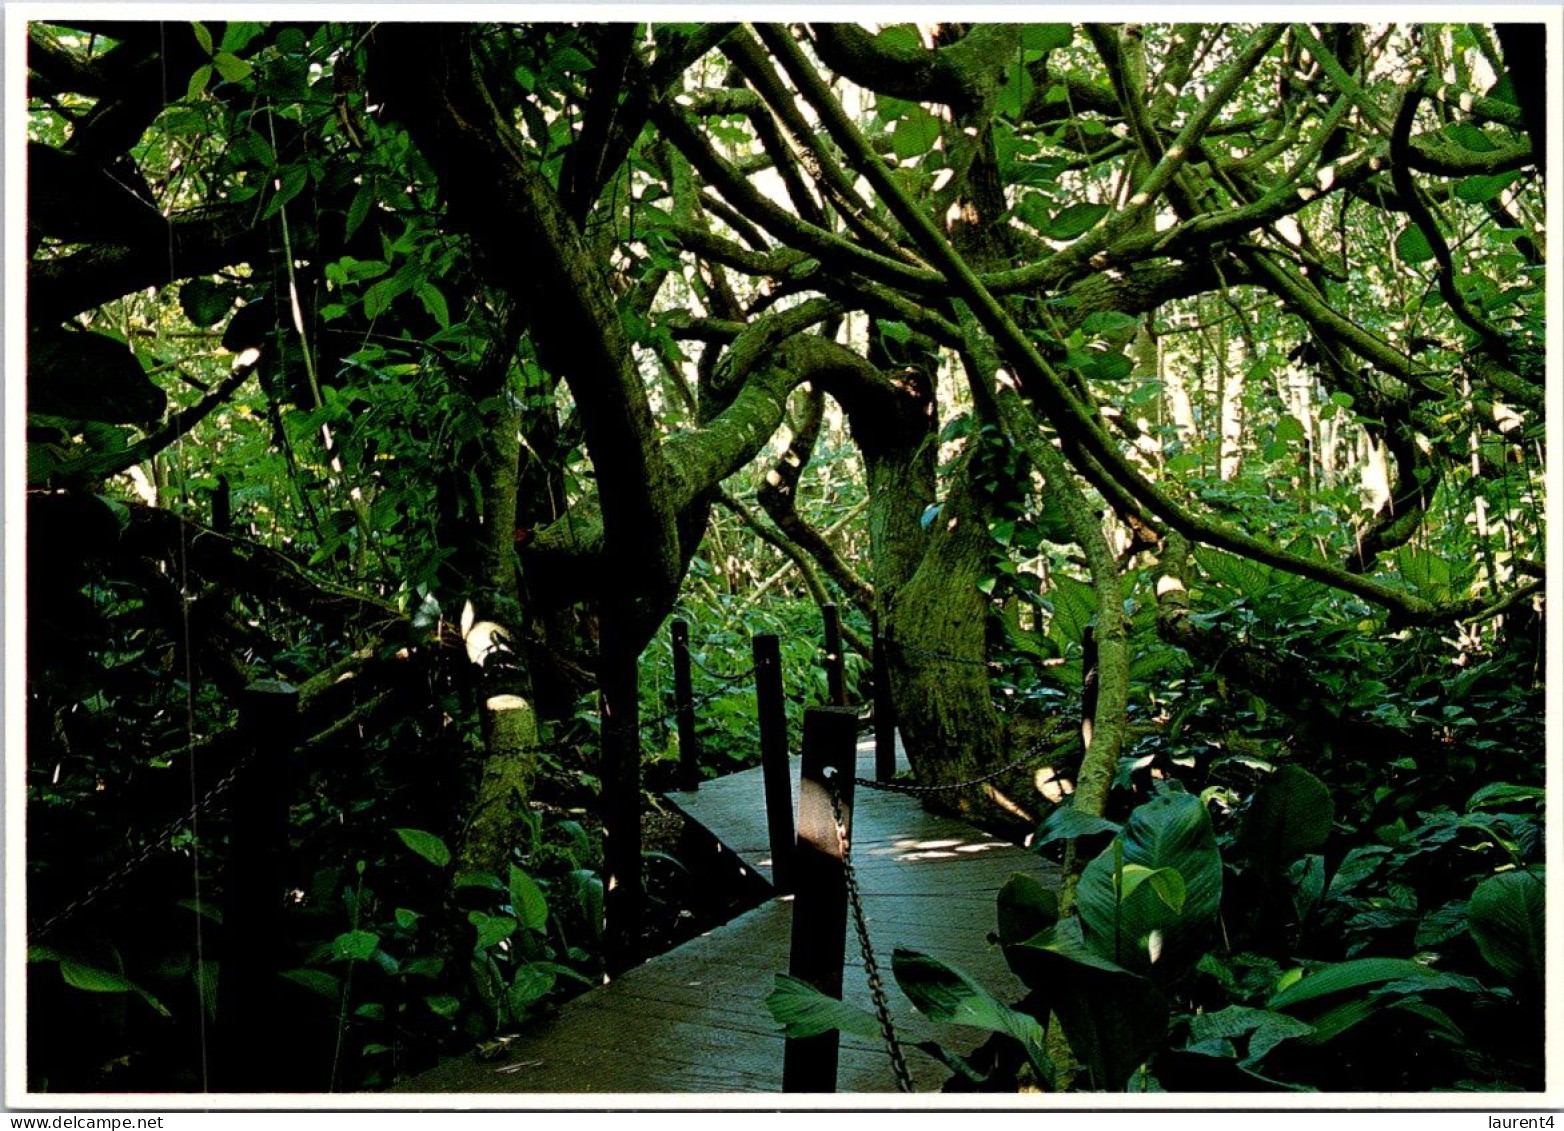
(804, 1011)
(444, 1004)
(1074, 604)
(238, 34)
(1114, 325)
(1026, 908)
(1112, 1019)
(355, 945)
(1412, 246)
(1500, 793)
(204, 301)
(527, 901)
(424, 966)
(427, 845)
(203, 37)
(94, 980)
(1483, 188)
(1066, 823)
(378, 298)
(1291, 815)
(1151, 929)
(358, 210)
(1288, 430)
(1342, 976)
(896, 331)
(434, 303)
(231, 67)
(491, 929)
(942, 992)
(1506, 918)
(199, 80)
(1014, 96)
(1165, 882)
(530, 986)
(914, 134)
(290, 184)
(1470, 137)
(1047, 37)
(1075, 220)
(316, 981)
(1064, 940)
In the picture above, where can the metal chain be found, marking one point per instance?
(724, 677)
(1055, 729)
(871, 965)
(159, 842)
(928, 653)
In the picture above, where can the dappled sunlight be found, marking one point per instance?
(941, 848)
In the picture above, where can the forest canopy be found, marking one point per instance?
(390, 387)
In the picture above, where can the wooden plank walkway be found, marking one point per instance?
(694, 1019)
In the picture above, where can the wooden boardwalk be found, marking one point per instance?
(694, 1019)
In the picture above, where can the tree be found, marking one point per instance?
(524, 303)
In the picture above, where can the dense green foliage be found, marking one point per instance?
(1186, 378)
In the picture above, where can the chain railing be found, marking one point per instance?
(160, 841)
(871, 964)
(1055, 732)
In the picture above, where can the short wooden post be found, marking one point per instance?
(835, 681)
(684, 709)
(820, 906)
(255, 1034)
(884, 714)
(624, 900)
(775, 775)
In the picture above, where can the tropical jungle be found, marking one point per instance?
(1158, 409)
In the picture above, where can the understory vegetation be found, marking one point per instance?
(391, 388)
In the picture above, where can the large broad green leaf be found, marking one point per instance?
(1112, 1019)
(1505, 915)
(1065, 822)
(804, 1011)
(942, 992)
(1025, 908)
(1140, 925)
(1060, 941)
(1342, 976)
(1496, 794)
(1290, 815)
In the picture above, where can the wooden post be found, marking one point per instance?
(775, 774)
(884, 714)
(255, 1035)
(820, 907)
(624, 897)
(684, 709)
(836, 684)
